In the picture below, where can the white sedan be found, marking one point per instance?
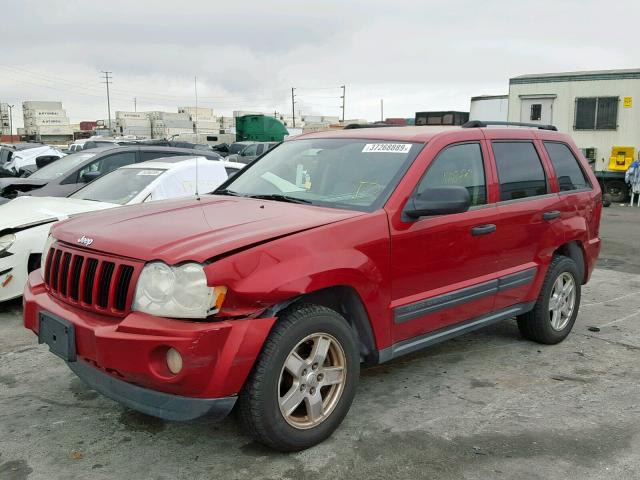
(25, 221)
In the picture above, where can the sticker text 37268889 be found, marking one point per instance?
(387, 148)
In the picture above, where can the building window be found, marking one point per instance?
(536, 111)
(596, 113)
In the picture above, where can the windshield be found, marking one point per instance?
(61, 166)
(343, 173)
(120, 186)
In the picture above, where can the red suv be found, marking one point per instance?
(331, 250)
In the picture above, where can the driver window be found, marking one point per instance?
(459, 165)
(108, 164)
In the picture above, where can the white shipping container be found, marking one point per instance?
(168, 115)
(38, 121)
(50, 113)
(200, 111)
(50, 130)
(37, 105)
(169, 123)
(132, 115)
(133, 122)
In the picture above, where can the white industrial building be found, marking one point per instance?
(599, 109)
(489, 107)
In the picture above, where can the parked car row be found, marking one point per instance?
(331, 250)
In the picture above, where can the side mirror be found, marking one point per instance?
(89, 176)
(438, 201)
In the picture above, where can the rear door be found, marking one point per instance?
(443, 267)
(529, 228)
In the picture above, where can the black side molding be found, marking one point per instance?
(458, 297)
(417, 343)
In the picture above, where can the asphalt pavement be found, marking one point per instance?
(486, 405)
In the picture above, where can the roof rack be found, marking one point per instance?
(486, 123)
(353, 126)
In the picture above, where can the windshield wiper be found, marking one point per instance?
(226, 191)
(280, 198)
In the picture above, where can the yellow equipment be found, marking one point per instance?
(621, 158)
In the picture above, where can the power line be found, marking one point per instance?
(107, 79)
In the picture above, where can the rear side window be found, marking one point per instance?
(570, 175)
(459, 165)
(519, 170)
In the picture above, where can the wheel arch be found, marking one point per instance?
(575, 251)
(345, 300)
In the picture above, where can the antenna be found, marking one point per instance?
(195, 85)
(197, 194)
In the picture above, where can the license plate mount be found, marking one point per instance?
(59, 334)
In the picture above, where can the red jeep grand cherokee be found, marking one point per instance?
(331, 250)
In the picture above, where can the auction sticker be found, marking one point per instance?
(386, 148)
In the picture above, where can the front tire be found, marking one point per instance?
(304, 380)
(556, 309)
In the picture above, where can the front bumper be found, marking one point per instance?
(125, 358)
(151, 402)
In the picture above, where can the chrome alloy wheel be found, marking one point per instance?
(312, 381)
(562, 301)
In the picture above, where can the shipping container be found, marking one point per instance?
(39, 105)
(132, 115)
(88, 125)
(44, 113)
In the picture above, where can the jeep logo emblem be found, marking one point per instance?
(85, 241)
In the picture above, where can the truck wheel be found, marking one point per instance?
(304, 380)
(556, 309)
(617, 191)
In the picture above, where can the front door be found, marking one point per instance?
(443, 266)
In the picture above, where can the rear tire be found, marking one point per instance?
(304, 380)
(556, 309)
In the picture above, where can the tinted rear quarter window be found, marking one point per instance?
(570, 175)
(519, 170)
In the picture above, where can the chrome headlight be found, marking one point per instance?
(6, 241)
(178, 292)
(45, 252)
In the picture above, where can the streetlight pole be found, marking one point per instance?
(11, 121)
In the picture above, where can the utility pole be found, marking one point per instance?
(293, 105)
(382, 110)
(135, 104)
(195, 86)
(10, 107)
(108, 79)
(342, 97)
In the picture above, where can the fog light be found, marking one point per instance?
(174, 361)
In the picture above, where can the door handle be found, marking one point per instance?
(483, 229)
(551, 215)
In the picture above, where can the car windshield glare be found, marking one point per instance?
(342, 173)
(61, 166)
(120, 186)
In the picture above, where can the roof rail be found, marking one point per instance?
(353, 126)
(486, 123)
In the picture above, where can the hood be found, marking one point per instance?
(23, 211)
(179, 230)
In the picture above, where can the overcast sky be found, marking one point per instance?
(416, 55)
